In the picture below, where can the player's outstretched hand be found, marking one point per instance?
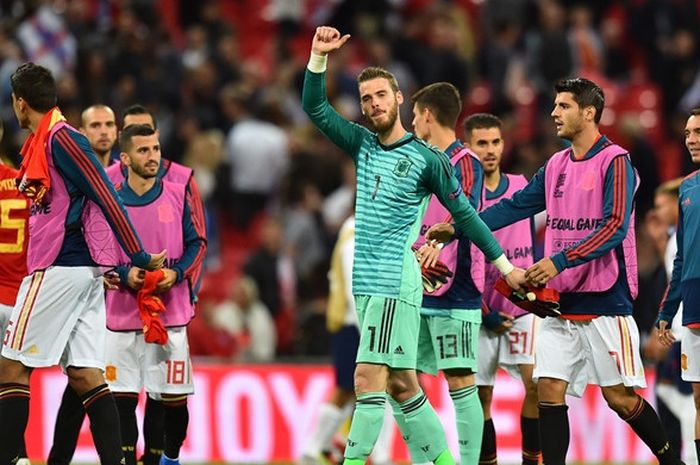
(666, 336)
(541, 272)
(168, 281)
(428, 254)
(516, 280)
(327, 39)
(441, 232)
(157, 261)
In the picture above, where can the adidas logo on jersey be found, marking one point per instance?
(398, 350)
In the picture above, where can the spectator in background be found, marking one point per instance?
(498, 60)
(99, 125)
(548, 51)
(208, 340)
(340, 201)
(248, 321)
(585, 40)
(678, 67)
(430, 47)
(643, 159)
(204, 154)
(272, 270)
(303, 233)
(258, 152)
(47, 41)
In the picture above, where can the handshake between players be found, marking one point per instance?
(525, 288)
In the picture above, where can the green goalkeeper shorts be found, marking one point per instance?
(388, 331)
(449, 341)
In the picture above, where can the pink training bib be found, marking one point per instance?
(436, 213)
(574, 190)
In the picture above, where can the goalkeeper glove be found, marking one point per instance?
(435, 277)
(541, 301)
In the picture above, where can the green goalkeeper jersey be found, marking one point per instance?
(394, 184)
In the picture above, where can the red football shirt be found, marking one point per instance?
(14, 235)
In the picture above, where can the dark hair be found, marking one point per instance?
(35, 85)
(443, 101)
(695, 112)
(138, 109)
(481, 121)
(130, 132)
(586, 94)
(375, 72)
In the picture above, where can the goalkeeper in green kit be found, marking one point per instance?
(396, 175)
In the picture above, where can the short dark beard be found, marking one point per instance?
(495, 170)
(384, 128)
(141, 172)
(575, 131)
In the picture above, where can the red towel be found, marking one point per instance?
(150, 307)
(33, 177)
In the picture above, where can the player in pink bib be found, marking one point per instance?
(59, 315)
(590, 258)
(451, 313)
(162, 218)
(508, 341)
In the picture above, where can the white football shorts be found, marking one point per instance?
(690, 355)
(507, 350)
(59, 318)
(5, 313)
(132, 364)
(603, 351)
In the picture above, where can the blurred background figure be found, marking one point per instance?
(248, 321)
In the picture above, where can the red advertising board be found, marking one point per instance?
(244, 414)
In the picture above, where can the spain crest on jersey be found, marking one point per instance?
(402, 167)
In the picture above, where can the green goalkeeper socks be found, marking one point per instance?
(470, 423)
(417, 455)
(366, 424)
(424, 427)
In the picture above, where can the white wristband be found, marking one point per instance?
(503, 264)
(317, 63)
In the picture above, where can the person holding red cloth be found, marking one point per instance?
(147, 316)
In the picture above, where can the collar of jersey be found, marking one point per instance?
(501, 188)
(129, 197)
(408, 137)
(599, 145)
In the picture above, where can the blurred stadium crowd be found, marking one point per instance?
(223, 78)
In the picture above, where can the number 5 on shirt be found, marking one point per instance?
(8, 223)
